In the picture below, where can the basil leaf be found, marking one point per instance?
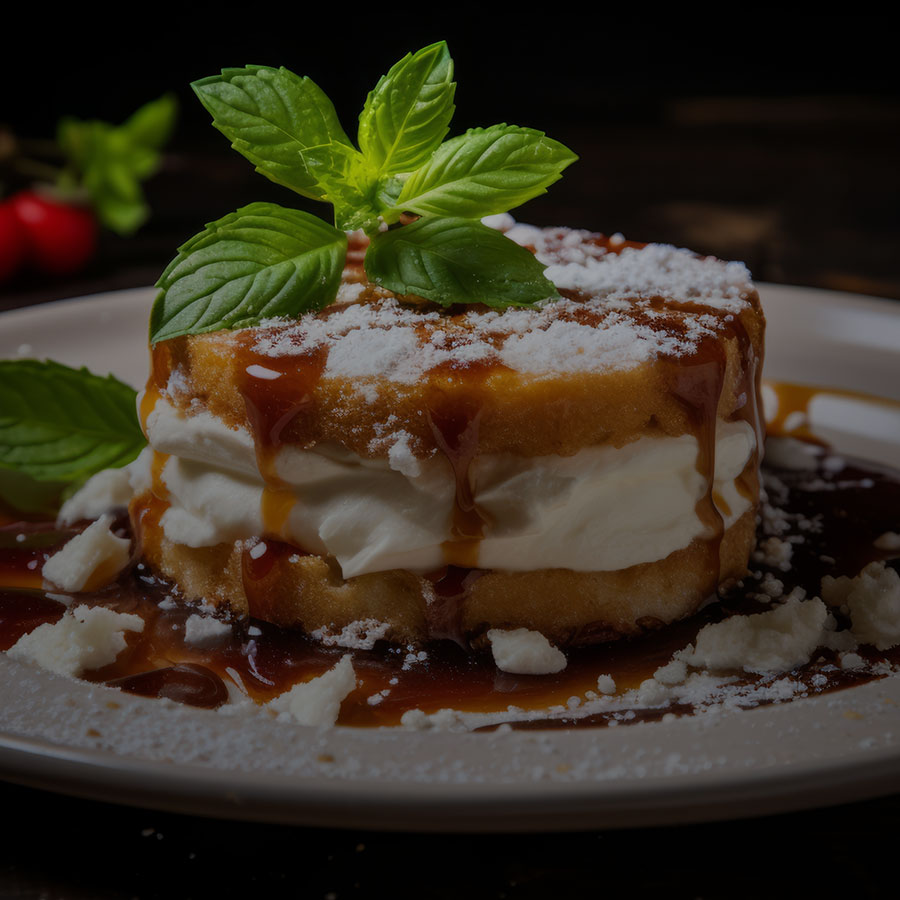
(483, 172)
(408, 113)
(61, 425)
(457, 260)
(259, 262)
(274, 118)
(152, 125)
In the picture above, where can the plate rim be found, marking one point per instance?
(781, 787)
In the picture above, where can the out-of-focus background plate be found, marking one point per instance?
(64, 735)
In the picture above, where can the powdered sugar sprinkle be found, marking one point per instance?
(632, 305)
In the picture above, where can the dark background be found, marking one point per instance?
(730, 129)
(770, 139)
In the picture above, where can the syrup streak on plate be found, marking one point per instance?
(828, 749)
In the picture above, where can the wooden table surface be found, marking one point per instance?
(788, 186)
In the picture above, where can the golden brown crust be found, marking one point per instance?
(575, 410)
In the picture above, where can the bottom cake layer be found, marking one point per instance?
(278, 583)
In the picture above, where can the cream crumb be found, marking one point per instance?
(524, 652)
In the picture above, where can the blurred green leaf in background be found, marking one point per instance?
(109, 162)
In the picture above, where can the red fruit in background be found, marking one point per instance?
(62, 238)
(13, 242)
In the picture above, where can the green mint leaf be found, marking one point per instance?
(152, 125)
(110, 162)
(408, 113)
(111, 177)
(119, 211)
(347, 182)
(62, 425)
(457, 260)
(483, 172)
(259, 262)
(274, 118)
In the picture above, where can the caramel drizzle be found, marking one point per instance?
(749, 409)
(697, 384)
(455, 428)
(276, 407)
(160, 365)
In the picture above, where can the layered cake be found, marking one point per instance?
(586, 468)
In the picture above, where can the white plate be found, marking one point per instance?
(64, 735)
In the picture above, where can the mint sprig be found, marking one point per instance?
(288, 128)
(109, 162)
(62, 425)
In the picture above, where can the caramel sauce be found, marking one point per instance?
(160, 365)
(793, 405)
(275, 509)
(791, 417)
(697, 385)
(451, 586)
(263, 660)
(259, 572)
(185, 683)
(455, 430)
(277, 394)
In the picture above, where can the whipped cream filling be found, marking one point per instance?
(602, 509)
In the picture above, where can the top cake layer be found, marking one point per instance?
(647, 340)
(624, 304)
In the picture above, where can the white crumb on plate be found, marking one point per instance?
(360, 635)
(774, 552)
(606, 684)
(872, 599)
(89, 559)
(774, 641)
(317, 702)
(205, 631)
(86, 637)
(673, 672)
(524, 652)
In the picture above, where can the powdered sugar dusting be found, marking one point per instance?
(625, 306)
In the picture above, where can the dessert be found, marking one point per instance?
(433, 468)
(587, 469)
